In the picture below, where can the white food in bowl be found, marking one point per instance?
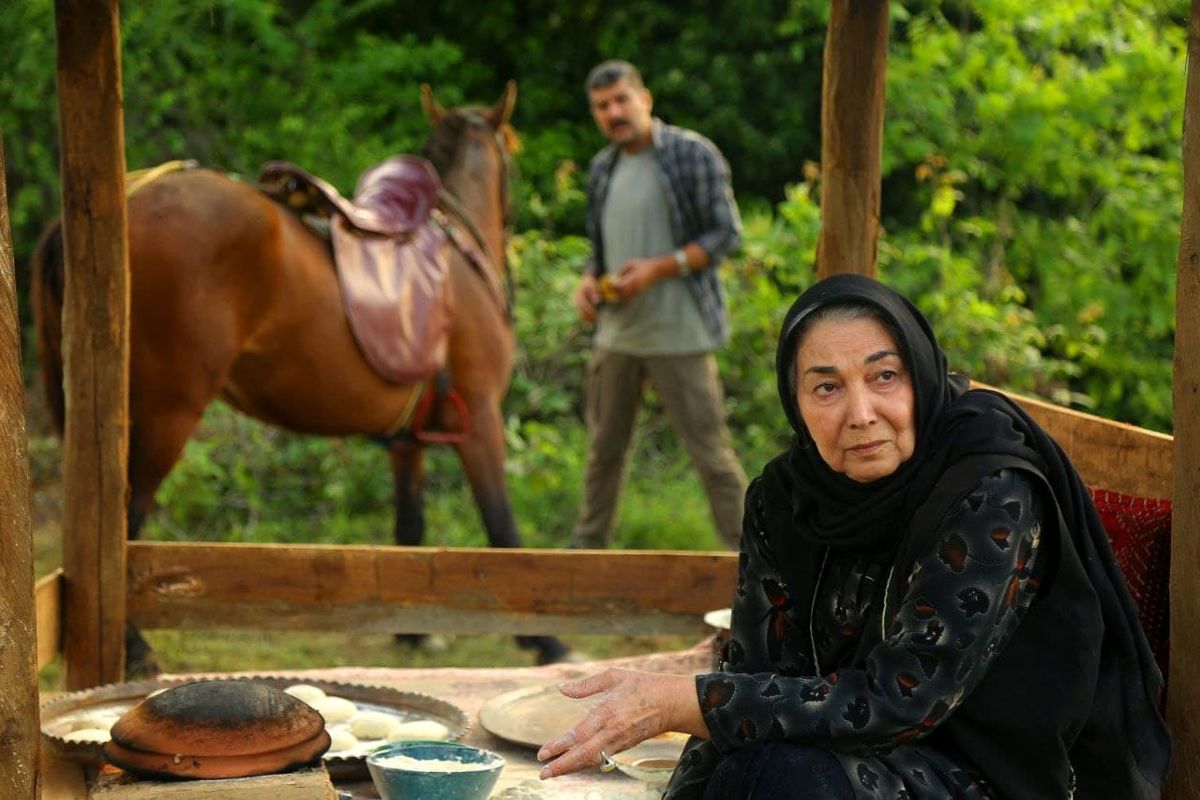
(410, 764)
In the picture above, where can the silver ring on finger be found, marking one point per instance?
(606, 762)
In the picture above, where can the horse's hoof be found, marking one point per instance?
(426, 642)
(570, 657)
(142, 668)
(141, 662)
(435, 643)
(559, 655)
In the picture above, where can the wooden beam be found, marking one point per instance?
(47, 596)
(309, 783)
(1109, 455)
(1183, 697)
(422, 589)
(18, 637)
(852, 105)
(95, 338)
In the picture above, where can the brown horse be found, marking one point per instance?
(232, 296)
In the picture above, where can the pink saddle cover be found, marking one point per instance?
(390, 264)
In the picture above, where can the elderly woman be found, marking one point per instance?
(927, 605)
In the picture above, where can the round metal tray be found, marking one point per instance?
(60, 713)
(534, 715)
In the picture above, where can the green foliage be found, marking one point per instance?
(332, 85)
(1045, 155)
(28, 124)
(1031, 204)
(1031, 151)
(774, 266)
(552, 341)
(235, 84)
(268, 485)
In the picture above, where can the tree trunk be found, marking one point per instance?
(852, 104)
(1184, 694)
(18, 637)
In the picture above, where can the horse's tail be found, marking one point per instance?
(47, 288)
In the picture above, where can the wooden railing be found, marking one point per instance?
(1109, 455)
(456, 590)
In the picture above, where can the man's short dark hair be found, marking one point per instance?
(609, 72)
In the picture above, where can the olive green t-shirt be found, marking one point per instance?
(636, 223)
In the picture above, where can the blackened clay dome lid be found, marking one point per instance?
(233, 727)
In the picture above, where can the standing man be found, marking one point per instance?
(661, 216)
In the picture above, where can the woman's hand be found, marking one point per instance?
(633, 707)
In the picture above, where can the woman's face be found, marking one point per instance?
(855, 396)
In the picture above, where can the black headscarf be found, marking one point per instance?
(1115, 739)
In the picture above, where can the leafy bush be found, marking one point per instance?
(1046, 154)
(1034, 146)
(1031, 204)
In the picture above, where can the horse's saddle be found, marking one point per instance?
(387, 248)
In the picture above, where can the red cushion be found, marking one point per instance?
(1140, 532)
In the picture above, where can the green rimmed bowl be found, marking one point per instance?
(434, 771)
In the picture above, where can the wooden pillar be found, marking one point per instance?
(852, 103)
(18, 637)
(1183, 694)
(95, 339)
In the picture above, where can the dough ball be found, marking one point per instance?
(309, 694)
(341, 740)
(334, 709)
(419, 729)
(372, 724)
(94, 735)
(93, 720)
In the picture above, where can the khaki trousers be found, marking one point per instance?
(691, 393)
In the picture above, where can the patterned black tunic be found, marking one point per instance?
(785, 673)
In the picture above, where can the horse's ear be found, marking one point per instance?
(498, 115)
(434, 112)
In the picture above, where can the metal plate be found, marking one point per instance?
(532, 716)
(60, 714)
(719, 618)
(653, 760)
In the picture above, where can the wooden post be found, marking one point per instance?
(852, 103)
(1183, 694)
(18, 637)
(95, 339)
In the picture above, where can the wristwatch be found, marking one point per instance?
(681, 260)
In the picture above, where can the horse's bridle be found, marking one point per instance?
(452, 205)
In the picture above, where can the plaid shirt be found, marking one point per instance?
(695, 177)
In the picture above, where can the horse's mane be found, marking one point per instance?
(443, 143)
